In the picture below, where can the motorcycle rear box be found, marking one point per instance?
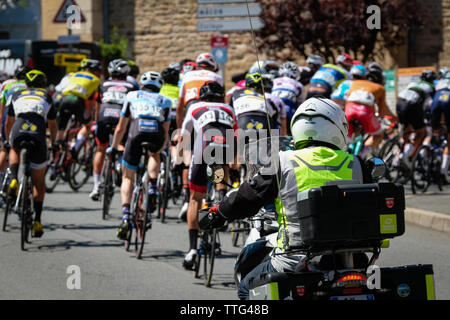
(351, 212)
(413, 282)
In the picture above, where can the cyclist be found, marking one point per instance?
(441, 107)
(149, 113)
(208, 120)
(8, 88)
(113, 93)
(28, 112)
(79, 98)
(319, 129)
(329, 77)
(313, 64)
(363, 97)
(358, 72)
(288, 88)
(189, 94)
(252, 112)
(412, 104)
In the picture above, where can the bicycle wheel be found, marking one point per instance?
(197, 264)
(108, 188)
(9, 203)
(25, 214)
(210, 256)
(165, 190)
(235, 226)
(81, 169)
(141, 222)
(391, 157)
(421, 169)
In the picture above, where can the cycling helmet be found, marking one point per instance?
(375, 74)
(267, 82)
(357, 63)
(443, 72)
(152, 80)
(315, 61)
(188, 66)
(134, 69)
(345, 60)
(290, 69)
(319, 120)
(212, 91)
(269, 68)
(306, 74)
(170, 75)
(35, 79)
(375, 65)
(358, 71)
(21, 71)
(428, 76)
(253, 80)
(175, 65)
(119, 68)
(90, 64)
(206, 60)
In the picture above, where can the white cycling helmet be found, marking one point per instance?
(290, 69)
(315, 60)
(152, 78)
(320, 119)
(207, 60)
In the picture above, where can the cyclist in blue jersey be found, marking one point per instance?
(149, 113)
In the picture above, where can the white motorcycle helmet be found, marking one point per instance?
(320, 119)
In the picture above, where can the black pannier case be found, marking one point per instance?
(351, 213)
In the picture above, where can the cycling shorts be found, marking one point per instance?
(133, 149)
(317, 89)
(108, 118)
(253, 122)
(72, 105)
(205, 153)
(411, 113)
(365, 115)
(440, 106)
(31, 129)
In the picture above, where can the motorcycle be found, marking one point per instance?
(344, 227)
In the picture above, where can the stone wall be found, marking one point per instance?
(162, 31)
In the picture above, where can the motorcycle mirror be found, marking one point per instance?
(376, 167)
(215, 174)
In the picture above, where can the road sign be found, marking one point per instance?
(220, 54)
(230, 25)
(62, 15)
(229, 11)
(68, 60)
(69, 39)
(219, 42)
(222, 1)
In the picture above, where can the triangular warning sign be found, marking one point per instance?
(65, 12)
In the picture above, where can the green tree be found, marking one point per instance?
(116, 49)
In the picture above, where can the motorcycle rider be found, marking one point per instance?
(319, 129)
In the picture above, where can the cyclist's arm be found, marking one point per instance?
(120, 131)
(383, 107)
(180, 112)
(10, 118)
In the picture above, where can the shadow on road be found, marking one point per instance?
(53, 245)
(70, 209)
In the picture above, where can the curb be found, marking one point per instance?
(428, 219)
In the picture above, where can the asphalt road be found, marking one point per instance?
(77, 236)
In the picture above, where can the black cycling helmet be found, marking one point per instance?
(36, 79)
(375, 73)
(21, 71)
(134, 69)
(119, 68)
(91, 64)
(171, 75)
(212, 91)
(428, 76)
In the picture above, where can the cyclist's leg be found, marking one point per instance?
(84, 116)
(64, 114)
(446, 155)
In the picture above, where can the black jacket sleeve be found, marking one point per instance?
(249, 198)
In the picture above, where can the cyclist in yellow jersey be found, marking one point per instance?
(79, 97)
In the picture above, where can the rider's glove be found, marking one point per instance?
(216, 219)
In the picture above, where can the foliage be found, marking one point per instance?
(116, 49)
(324, 26)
